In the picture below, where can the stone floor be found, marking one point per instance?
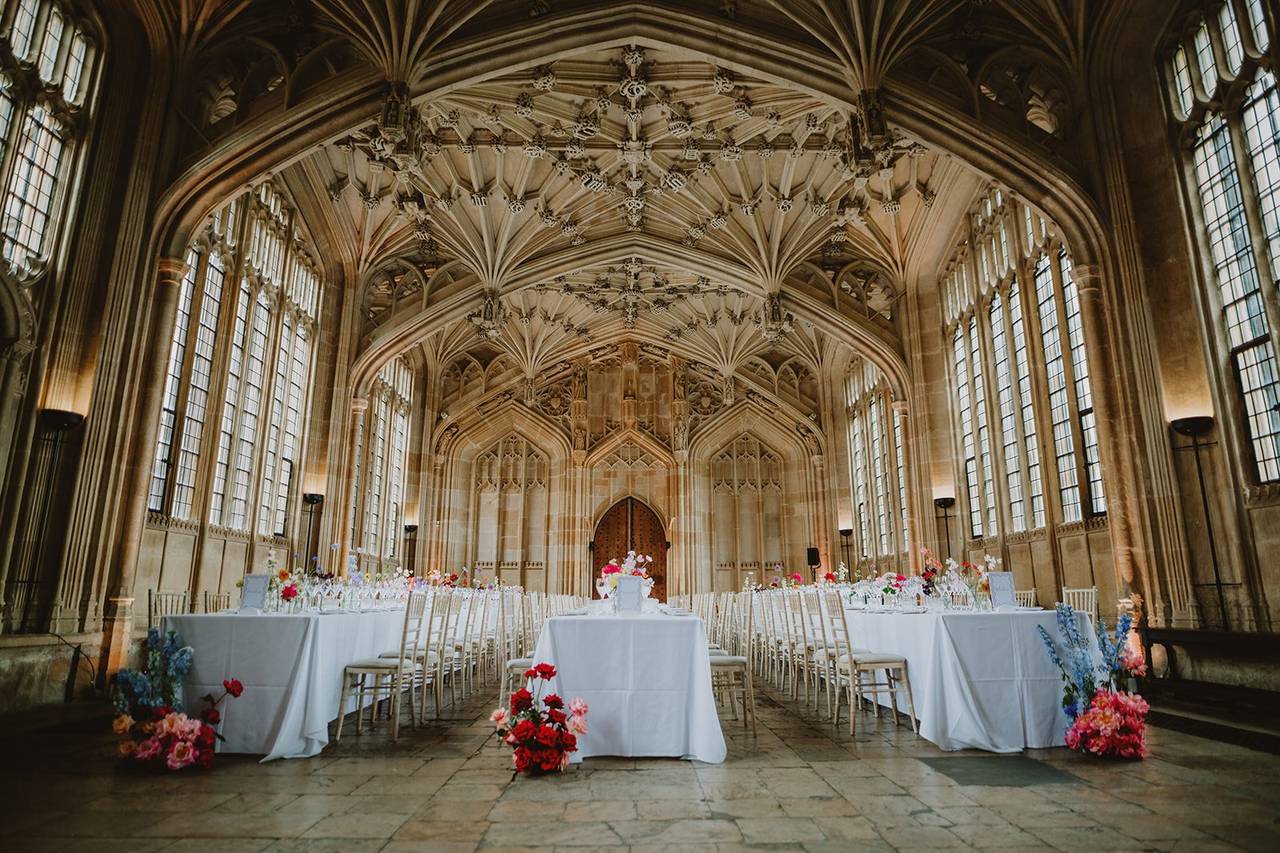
(795, 785)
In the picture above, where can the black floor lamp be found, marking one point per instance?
(312, 500)
(1197, 428)
(845, 533)
(945, 504)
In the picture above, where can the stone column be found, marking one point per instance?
(902, 410)
(341, 517)
(1115, 460)
(118, 624)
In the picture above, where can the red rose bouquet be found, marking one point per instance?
(541, 735)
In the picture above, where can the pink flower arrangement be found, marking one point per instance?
(611, 569)
(797, 578)
(170, 739)
(1113, 726)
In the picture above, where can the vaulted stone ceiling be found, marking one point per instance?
(523, 190)
(750, 177)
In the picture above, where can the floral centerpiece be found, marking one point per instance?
(891, 583)
(1106, 720)
(153, 734)
(633, 564)
(541, 735)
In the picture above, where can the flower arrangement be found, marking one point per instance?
(165, 662)
(1105, 720)
(828, 577)
(541, 735)
(783, 579)
(1113, 726)
(891, 583)
(153, 734)
(931, 573)
(633, 564)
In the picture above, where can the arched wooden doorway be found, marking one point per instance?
(630, 525)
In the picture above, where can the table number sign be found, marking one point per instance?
(629, 594)
(1002, 592)
(253, 594)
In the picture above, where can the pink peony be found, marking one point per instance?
(611, 569)
(577, 724)
(182, 754)
(578, 707)
(499, 718)
(148, 749)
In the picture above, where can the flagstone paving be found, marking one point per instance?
(794, 785)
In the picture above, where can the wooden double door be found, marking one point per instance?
(630, 525)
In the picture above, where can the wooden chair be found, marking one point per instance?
(1026, 597)
(216, 602)
(855, 663)
(391, 676)
(162, 604)
(731, 674)
(1082, 600)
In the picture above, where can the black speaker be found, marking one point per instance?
(814, 559)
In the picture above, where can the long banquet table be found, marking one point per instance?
(291, 666)
(646, 679)
(979, 680)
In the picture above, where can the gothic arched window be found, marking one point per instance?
(1011, 283)
(48, 59)
(381, 463)
(876, 464)
(239, 375)
(1230, 113)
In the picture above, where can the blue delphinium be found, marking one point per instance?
(1112, 645)
(165, 662)
(1079, 672)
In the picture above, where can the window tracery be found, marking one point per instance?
(46, 63)
(1010, 283)
(381, 465)
(878, 473)
(1230, 116)
(240, 362)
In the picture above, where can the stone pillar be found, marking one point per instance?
(902, 410)
(1115, 460)
(118, 624)
(347, 494)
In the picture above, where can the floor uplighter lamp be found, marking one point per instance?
(1196, 428)
(945, 504)
(311, 500)
(845, 533)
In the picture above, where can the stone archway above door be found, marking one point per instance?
(632, 525)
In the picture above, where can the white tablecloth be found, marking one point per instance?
(291, 667)
(979, 680)
(646, 678)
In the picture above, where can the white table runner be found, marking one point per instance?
(291, 667)
(979, 680)
(646, 678)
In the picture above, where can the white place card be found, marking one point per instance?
(1002, 592)
(630, 594)
(253, 594)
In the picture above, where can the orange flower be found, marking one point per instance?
(283, 574)
(122, 724)
(127, 748)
